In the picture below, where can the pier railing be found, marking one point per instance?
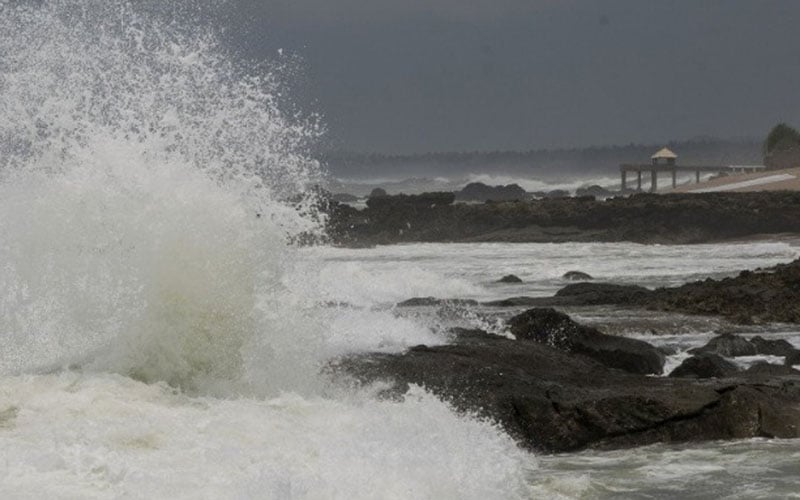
(654, 170)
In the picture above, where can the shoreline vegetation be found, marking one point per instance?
(640, 218)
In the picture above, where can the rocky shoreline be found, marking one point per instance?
(643, 218)
(557, 385)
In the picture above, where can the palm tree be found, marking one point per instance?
(782, 136)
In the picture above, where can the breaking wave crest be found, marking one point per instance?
(143, 192)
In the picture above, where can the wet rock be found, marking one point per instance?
(433, 301)
(409, 205)
(478, 191)
(524, 302)
(705, 365)
(728, 345)
(602, 293)
(762, 368)
(510, 278)
(576, 276)
(557, 330)
(793, 358)
(645, 218)
(554, 401)
(557, 193)
(777, 347)
(768, 295)
(595, 191)
(378, 193)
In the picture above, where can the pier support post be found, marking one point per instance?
(653, 181)
(674, 178)
(624, 175)
(638, 180)
(697, 177)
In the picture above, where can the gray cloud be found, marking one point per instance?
(418, 75)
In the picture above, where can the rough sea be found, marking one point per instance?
(163, 338)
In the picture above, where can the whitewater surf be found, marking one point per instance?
(157, 341)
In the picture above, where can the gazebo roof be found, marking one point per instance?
(664, 153)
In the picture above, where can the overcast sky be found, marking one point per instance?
(401, 76)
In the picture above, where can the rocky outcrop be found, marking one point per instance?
(728, 345)
(555, 401)
(557, 330)
(595, 191)
(646, 218)
(478, 191)
(510, 278)
(602, 293)
(577, 276)
(433, 301)
(761, 296)
(764, 369)
(766, 295)
(705, 365)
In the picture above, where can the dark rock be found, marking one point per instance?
(762, 368)
(769, 295)
(705, 365)
(552, 401)
(478, 191)
(557, 193)
(409, 205)
(793, 358)
(433, 301)
(378, 193)
(645, 218)
(576, 276)
(728, 345)
(525, 302)
(602, 293)
(557, 330)
(777, 347)
(509, 279)
(594, 191)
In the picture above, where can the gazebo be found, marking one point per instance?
(664, 157)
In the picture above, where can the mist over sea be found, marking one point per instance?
(163, 337)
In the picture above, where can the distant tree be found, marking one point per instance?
(780, 134)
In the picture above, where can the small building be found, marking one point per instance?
(664, 157)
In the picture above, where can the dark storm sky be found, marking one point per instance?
(448, 75)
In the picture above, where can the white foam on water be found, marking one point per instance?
(73, 436)
(155, 341)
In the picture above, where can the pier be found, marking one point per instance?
(664, 162)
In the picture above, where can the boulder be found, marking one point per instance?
(478, 191)
(556, 329)
(793, 358)
(602, 293)
(433, 301)
(705, 365)
(557, 193)
(594, 191)
(378, 193)
(553, 401)
(576, 276)
(510, 278)
(777, 347)
(728, 345)
(762, 368)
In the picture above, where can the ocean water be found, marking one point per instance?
(163, 338)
